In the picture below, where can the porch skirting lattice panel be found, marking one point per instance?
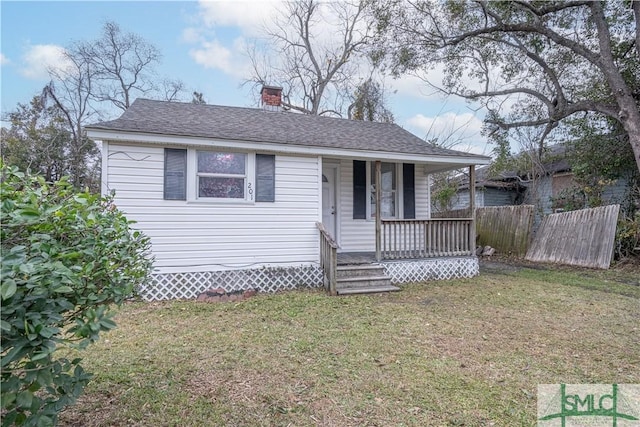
(420, 270)
(166, 286)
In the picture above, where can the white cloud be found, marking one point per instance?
(40, 58)
(426, 84)
(456, 131)
(224, 29)
(191, 35)
(249, 16)
(416, 87)
(213, 55)
(221, 53)
(4, 60)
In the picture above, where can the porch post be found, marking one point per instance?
(472, 208)
(378, 218)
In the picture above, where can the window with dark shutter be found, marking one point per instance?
(409, 192)
(175, 174)
(265, 178)
(359, 189)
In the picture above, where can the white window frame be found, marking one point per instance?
(193, 175)
(371, 169)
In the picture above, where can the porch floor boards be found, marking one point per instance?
(360, 258)
(356, 258)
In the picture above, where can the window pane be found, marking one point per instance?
(388, 176)
(388, 205)
(388, 196)
(228, 163)
(224, 188)
(388, 172)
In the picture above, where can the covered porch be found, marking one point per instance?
(403, 246)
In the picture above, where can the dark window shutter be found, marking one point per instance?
(175, 174)
(359, 189)
(265, 178)
(409, 190)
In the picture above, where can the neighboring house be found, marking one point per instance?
(549, 192)
(490, 190)
(545, 191)
(233, 198)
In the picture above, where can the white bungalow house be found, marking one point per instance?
(260, 198)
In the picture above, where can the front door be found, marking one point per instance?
(329, 199)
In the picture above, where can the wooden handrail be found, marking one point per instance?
(326, 235)
(328, 258)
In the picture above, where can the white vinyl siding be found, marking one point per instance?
(218, 236)
(355, 234)
(461, 199)
(423, 201)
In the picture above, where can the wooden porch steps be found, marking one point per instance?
(368, 290)
(363, 279)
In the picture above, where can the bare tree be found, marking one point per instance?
(315, 65)
(553, 59)
(123, 64)
(111, 70)
(172, 90)
(70, 90)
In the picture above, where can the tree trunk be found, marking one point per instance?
(632, 126)
(629, 114)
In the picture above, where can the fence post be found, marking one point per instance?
(472, 209)
(378, 210)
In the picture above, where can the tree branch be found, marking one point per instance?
(547, 9)
(635, 6)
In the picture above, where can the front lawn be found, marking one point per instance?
(456, 353)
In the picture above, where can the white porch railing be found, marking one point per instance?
(426, 238)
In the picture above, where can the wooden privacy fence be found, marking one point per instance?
(505, 228)
(456, 213)
(424, 238)
(583, 237)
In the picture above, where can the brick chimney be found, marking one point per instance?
(271, 97)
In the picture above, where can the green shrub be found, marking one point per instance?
(67, 258)
(628, 237)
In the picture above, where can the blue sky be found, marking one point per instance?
(201, 43)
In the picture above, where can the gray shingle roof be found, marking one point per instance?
(258, 125)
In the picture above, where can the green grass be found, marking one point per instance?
(457, 353)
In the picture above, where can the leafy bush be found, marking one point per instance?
(67, 258)
(444, 191)
(628, 237)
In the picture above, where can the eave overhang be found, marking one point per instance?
(437, 163)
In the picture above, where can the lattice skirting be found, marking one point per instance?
(431, 269)
(190, 285)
